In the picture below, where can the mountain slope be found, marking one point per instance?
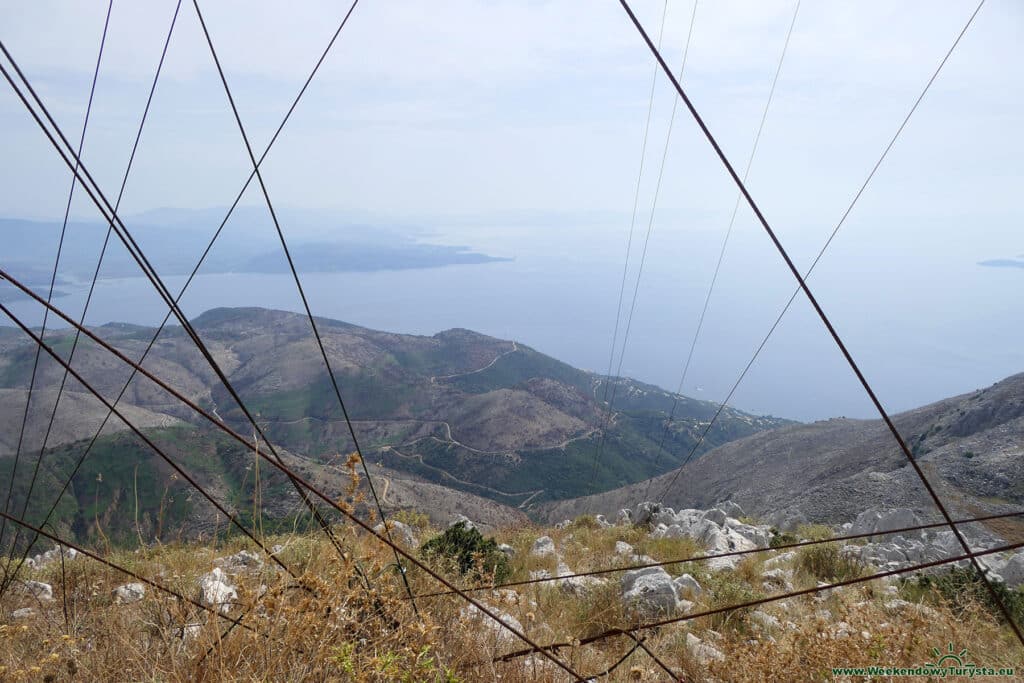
(490, 417)
(971, 447)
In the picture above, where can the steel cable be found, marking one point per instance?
(302, 295)
(822, 315)
(53, 280)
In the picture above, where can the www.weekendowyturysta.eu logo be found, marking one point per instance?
(951, 662)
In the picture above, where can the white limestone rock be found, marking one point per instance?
(701, 650)
(780, 560)
(650, 591)
(687, 586)
(883, 519)
(243, 560)
(400, 533)
(494, 630)
(543, 547)
(43, 592)
(129, 593)
(216, 591)
(731, 509)
(464, 519)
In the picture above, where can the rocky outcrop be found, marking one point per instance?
(714, 529)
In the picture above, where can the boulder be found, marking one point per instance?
(725, 540)
(883, 519)
(650, 591)
(778, 578)
(243, 560)
(215, 590)
(758, 535)
(508, 550)
(687, 586)
(718, 564)
(1012, 572)
(602, 522)
(51, 555)
(787, 521)
(883, 553)
(623, 548)
(495, 630)
(779, 560)
(701, 650)
(580, 586)
(42, 592)
(716, 516)
(624, 517)
(543, 547)
(464, 519)
(764, 620)
(644, 512)
(129, 593)
(23, 613)
(400, 533)
(665, 515)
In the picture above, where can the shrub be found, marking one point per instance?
(779, 538)
(413, 518)
(825, 563)
(727, 589)
(961, 587)
(814, 532)
(585, 522)
(470, 552)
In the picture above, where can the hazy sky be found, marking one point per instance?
(517, 126)
(469, 106)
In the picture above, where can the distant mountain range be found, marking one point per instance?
(493, 419)
(971, 447)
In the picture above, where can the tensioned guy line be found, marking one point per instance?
(821, 252)
(824, 317)
(302, 295)
(49, 296)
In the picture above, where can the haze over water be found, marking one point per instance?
(924, 321)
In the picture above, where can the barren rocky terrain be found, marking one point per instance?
(971, 447)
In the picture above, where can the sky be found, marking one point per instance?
(516, 128)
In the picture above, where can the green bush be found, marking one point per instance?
(469, 552)
(726, 589)
(961, 587)
(825, 563)
(585, 522)
(780, 538)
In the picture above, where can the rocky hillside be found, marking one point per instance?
(492, 418)
(971, 447)
(573, 586)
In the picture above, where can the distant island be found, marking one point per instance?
(1003, 263)
(174, 239)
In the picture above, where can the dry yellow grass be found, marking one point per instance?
(331, 626)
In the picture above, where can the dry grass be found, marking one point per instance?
(339, 629)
